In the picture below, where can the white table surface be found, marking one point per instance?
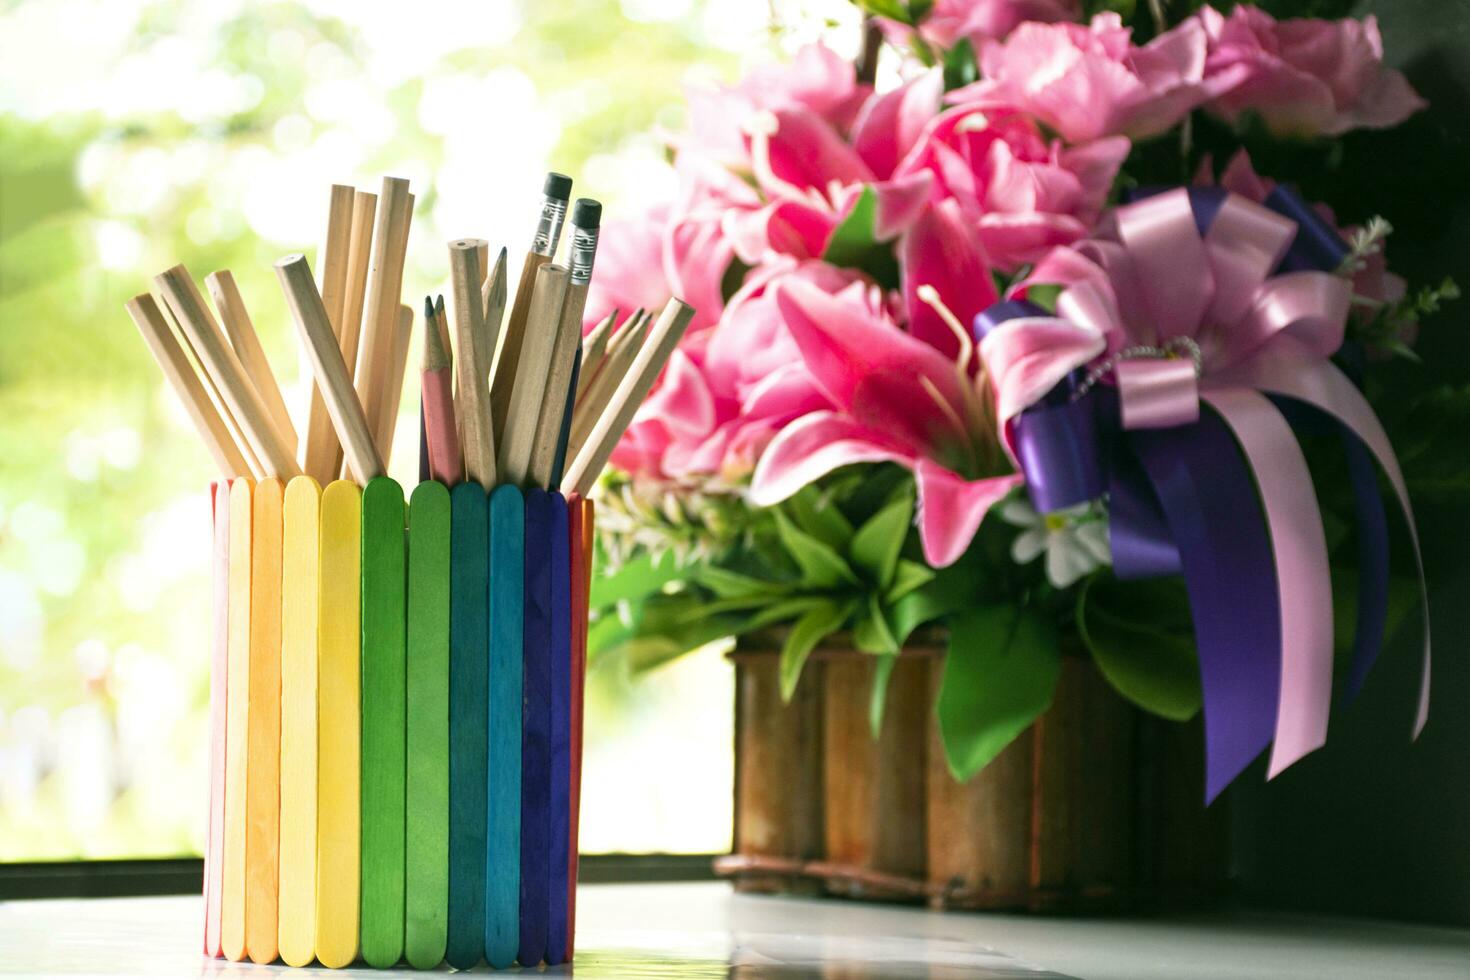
(704, 930)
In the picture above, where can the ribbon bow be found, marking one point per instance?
(1191, 298)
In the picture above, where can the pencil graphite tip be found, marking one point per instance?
(428, 308)
(439, 305)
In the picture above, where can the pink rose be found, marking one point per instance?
(817, 81)
(978, 21)
(1088, 81)
(1304, 77)
(1024, 193)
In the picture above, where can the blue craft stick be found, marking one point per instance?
(469, 659)
(503, 792)
(536, 731)
(561, 734)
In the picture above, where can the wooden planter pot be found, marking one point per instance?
(1096, 806)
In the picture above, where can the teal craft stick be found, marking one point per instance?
(426, 921)
(503, 818)
(468, 693)
(384, 725)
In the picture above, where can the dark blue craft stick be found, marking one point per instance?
(503, 815)
(536, 731)
(561, 732)
(469, 659)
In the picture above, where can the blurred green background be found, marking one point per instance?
(136, 134)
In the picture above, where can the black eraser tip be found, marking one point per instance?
(586, 213)
(557, 186)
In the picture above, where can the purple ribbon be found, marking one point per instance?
(1183, 500)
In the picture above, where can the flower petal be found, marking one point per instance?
(813, 446)
(951, 508)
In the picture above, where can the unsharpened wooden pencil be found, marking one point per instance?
(610, 425)
(441, 434)
(380, 316)
(315, 331)
(320, 454)
(530, 389)
(181, 377)
(478, 437)
(220, 361)
(394, 392)
(257, 469)
(555, 193)
(600, 394)
(241, 332)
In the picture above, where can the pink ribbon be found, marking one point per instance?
(1256, 333)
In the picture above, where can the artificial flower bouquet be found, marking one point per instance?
(998, 347)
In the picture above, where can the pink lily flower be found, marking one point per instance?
(895, 399)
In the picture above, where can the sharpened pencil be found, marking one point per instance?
(440, 431)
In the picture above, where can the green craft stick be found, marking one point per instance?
(503, 791)
(426, 924)
(384, 707)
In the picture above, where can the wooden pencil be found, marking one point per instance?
(478, 436)
(219, 360)
(542, 322)
(185, 383)
(380, 315)
(315, 331)
(441, 321)
(241, 332)
(554, 196)
(398, 368)
(441, 431)
(586, 220)
(257, 469)
(600, 394)
(564, 434)
(319, 456)
(594, 346)
(634, 387)
(359, 257)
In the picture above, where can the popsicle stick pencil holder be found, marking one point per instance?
(396, 723)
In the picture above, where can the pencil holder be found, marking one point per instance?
(396, 723)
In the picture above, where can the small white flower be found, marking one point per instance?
(1075, 539)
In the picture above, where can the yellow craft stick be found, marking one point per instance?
(237, 697)
(339, 759)
(263, 760)
(300, 567)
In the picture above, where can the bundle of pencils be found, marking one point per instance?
(519, 398)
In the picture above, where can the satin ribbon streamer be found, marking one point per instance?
(1203, 468)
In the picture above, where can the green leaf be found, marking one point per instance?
(808, 631)
(728, 584)
(876, 545)
(779, 612)
(909, 575)
(960, 67)
(872, 635)
(999, 676)
(855, 245)
(879, 695)
(821, 567)
(1044, 295)
(643, 576)
(819, 517)
(892, 9)
(1142, 638)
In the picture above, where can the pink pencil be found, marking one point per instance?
(445, 463)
